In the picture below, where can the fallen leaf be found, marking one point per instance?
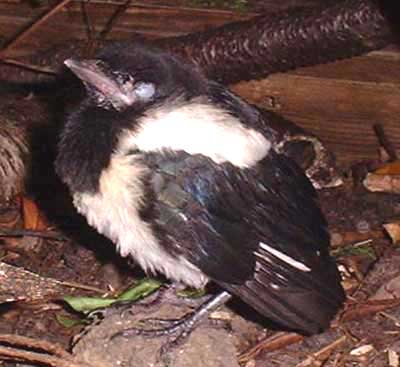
(87, 304)
(362, 350)
(393, 230)
(382, 183)
(392, 168)
(69, 322)
(33, 217)
(141, 289)
(393, 358)
(192, 292)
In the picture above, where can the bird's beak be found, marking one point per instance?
(93, 75)
(90, 72)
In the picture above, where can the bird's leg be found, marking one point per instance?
(180, 328)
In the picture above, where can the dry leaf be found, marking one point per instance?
(364, 349)
(393, 230)
(393, 358)
(392, 168)
(33, 218)
(382, 183)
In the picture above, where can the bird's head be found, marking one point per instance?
(123, 83)
(127, 75)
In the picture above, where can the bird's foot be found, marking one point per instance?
(176, 330)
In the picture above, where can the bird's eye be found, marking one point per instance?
(125, 79)
(144, 90)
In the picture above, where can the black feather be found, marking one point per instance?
(229, 211)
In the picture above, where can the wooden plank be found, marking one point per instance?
(376, 67)
(149, 21)
(340, 112)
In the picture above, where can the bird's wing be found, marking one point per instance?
(257, 232)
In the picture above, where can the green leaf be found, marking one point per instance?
(69, 322)
(364, 250)
(87, 304)
(140, 290)
(192, 292)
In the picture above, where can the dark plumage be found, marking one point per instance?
(180, 174)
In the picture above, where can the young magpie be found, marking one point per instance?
(180, 174)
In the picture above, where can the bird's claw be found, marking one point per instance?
(179, 328)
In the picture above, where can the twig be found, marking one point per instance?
(353, 238)
(18, 284)
(19, 348)
(32, 233)
(33, 27)
(368, 308)
(84, 287)
(30, 67)
(26, 342)
(323, 353)
(384, 142)
(110, 23)
(274, 342)
(16, 354)
(86, 20)
(396, 320)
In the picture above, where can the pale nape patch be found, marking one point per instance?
(114, 212)
(197, 128)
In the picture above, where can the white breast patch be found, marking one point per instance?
(114, 212)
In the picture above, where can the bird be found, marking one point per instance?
(179, 173)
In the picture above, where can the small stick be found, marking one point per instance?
(18, 348)
(269, 344)
(32, 233)
(89, 28)
(368, 308)
(384, 142)
(84, 287)
(110, 23)
(323, 353)
(26, 342)
(30, 67)
(16, 354)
